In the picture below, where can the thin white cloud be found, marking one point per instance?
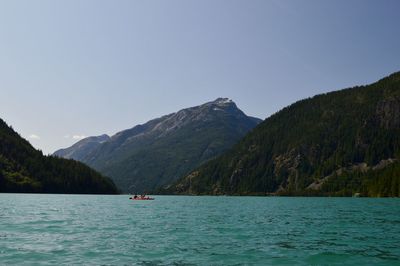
(67, 136)
(78, 136)
(34, 136)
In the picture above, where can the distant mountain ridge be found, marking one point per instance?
(80, 149)
(341, 143)
(25, 169)
(164, 149)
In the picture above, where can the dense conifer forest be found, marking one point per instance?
(341, 143)
(25, 169)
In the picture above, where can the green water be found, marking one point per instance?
(112, 230)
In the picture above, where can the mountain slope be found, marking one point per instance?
(331, 144)
(24, 169)
(80, 149)
(162, 150)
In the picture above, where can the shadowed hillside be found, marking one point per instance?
(24, 169)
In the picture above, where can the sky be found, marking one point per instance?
(76, 68)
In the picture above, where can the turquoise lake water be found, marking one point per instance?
(112, 230)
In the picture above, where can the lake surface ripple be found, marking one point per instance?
(172, 230)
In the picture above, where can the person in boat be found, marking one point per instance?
(135, 197)
(143, 196)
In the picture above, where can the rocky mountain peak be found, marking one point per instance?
(164, 149)
(223, 101)
(204, 112)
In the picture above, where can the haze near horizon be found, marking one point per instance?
(72, 69)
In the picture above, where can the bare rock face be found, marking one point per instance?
(383, 163)
(388, 113)
(360, 167)
(286, 165)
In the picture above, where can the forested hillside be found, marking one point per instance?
(24, 169)
(339, 143)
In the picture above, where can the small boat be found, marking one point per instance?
(141, 198)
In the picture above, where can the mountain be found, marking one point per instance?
(162, 150)
(340, 143)
(79, 150)
(24, 169)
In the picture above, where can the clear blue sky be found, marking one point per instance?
(79, 67)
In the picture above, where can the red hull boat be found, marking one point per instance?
(140, 198)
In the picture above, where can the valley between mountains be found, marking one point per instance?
(342, 143)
